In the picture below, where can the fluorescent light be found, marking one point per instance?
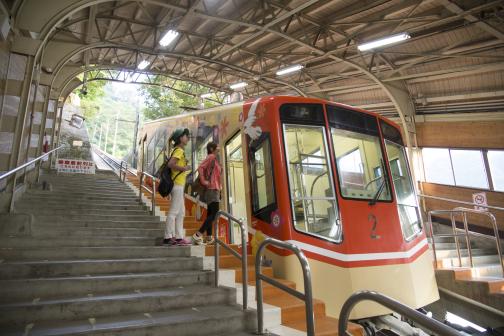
(168, 38)
(206, 95)
(144, 64)
(289, 70)
(238, 85)
(452, 318)
(384, 41)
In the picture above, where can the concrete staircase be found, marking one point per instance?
(292, 310)
(483, 283)
(89, 265)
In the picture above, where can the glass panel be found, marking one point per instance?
(312, 192)
(235, 185)
(360, 165)
(201, 151)
(496, 163)
(262, 180)
(469, 168)
(437, 165)
(404, 191)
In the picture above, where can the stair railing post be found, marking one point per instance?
(153, 196)
(216, 250)
(259, 293)
(468, 239)
(429, 214)
(457, 245)
(120, 171)
(244, 264)
(140, 188)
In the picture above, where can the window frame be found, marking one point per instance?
(263, 213)
(486, 165)
(331, 180)
(385, 165)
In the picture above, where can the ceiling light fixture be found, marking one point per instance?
(168, 37)
(238, 85)
(289, 70)
(384, 41)
(144, 64)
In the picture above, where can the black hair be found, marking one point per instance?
(176, 141)
(211, 147)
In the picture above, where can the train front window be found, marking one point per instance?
(405, 194)
(360, 163)
(312, 193)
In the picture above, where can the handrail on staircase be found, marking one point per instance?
(242, 257)
(307, 296)
(37, 160)
(429, 323)
(151, 191)
(467, 234)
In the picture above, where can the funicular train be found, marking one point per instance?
(330, 178)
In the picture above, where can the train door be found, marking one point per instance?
(235, 172)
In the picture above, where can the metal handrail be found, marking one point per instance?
(13, 172)
(467, 233)
(29, 163)
(151, 191)
(307, 297)
(429, 323)
(461, 202)
(242, 257)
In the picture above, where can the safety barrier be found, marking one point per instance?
(307, 296)
(242, 257)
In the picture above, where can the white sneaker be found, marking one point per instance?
(197, 238)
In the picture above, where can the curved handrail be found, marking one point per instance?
(307, 296)
(242, 257)
(427, 322)
(15, 170)
(467, 234)
(151, 191)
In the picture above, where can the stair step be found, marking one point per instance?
(50, 231)
(193, 321)
(79, 212)
(56, 206)
(117, 303)
(105, 252)
(92, 241)
(79, 267)
(91, 217)
(29, 289)
(105, 223)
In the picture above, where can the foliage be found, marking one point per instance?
(161, 101)
(118, 106)
(90, 101)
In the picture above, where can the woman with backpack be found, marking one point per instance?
(210, 177)
(174, 232)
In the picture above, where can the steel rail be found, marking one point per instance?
(29, 163)
(429, 323)
(307, 296)
(467, 233)
(242, 257)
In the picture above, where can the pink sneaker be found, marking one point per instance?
(183, 242)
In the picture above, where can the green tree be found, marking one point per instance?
(161, 101)
(90, 102)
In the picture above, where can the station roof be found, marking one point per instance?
(452, 62)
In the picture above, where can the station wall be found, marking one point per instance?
(469, 135)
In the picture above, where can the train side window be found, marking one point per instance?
(313, 199)
(263, 186)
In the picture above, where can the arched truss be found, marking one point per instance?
(133, 76)
(261, 36)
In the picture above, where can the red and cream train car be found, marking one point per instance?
(330, 178)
